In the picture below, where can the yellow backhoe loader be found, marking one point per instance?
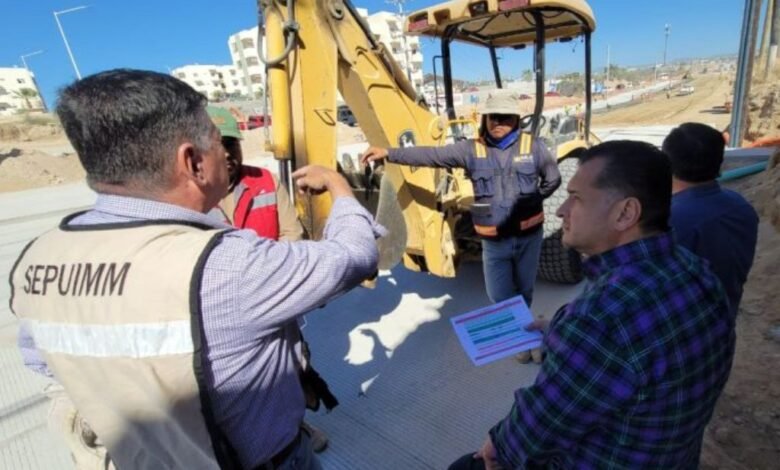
(317, 48)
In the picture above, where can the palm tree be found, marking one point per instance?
(26, 94)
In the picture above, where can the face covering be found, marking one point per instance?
(504, 142)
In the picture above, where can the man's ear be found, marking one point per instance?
(189, 162)
(630, 211)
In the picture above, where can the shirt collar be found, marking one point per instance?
(698, 190)
(146, 209)
(656, 246)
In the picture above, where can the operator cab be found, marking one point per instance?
(508, 24)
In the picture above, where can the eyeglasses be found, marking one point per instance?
(502, 117)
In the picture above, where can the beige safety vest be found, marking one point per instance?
(115, 311)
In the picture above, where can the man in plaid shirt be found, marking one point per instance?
(635, 364)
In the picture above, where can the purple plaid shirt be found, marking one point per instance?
(634, 367)
(253, 292)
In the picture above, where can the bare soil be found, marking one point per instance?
(705, 105)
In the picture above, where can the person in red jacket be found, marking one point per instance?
(257, 201)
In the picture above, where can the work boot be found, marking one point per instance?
(319, 440)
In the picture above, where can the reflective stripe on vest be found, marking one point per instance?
(526, 141)
(136, 340)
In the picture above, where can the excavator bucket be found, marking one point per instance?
(389, 214)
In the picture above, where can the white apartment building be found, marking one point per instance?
(389, 29)
(246, 61)
(12, 100)
(210, 80)
(247, 74)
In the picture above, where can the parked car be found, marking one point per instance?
(552, 93)
(253, 122)
(523, 96)
(686, 90)
(344, 114)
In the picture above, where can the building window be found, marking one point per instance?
(256, 78)
(232, 72)
(235, 82)
(198, 83)
(252, 61)
(181, 75)
(239, 64)
(19, 80)
(247, 43)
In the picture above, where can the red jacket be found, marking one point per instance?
(255, 196)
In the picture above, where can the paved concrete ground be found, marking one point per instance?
(410, 398)
(25, 442)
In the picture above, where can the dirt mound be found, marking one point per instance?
(22, 169)
(30, 128)
(764, 192)
(763, 119)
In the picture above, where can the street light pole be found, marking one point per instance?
(667, 30)
(65, 40)
(24, 62)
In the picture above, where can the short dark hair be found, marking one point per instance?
(125, 124)
(696, 152)
(640, 170)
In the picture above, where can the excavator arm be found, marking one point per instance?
(318, 47)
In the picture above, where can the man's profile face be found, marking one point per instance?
(234, 157)
(215, 167)
(588, 211)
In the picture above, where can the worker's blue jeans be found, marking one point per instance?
(510, 266)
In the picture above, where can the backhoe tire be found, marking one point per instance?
(558, 263)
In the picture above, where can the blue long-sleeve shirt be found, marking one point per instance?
(720, 226)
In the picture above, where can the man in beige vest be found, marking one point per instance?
(174, 335)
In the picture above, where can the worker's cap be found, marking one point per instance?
(502, 102)
(225, 122)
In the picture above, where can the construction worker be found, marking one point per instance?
(173, 334)
(705, 217)
(636, 362)
(512, 173)
(258, 202)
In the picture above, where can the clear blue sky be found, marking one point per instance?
(163, 34)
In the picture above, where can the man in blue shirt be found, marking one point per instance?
(715, 223)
